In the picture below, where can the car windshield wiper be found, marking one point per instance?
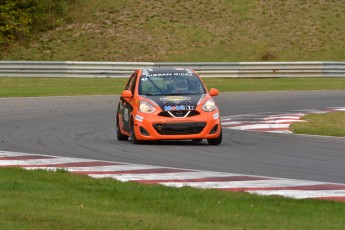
(182, 94)
(170, 94)
(151, 94)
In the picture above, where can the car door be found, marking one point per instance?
(125, 104)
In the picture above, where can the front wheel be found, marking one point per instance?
(216, 141)
(133, 137)
(119, 135)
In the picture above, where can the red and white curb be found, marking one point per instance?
(270, 122)
(147, 174)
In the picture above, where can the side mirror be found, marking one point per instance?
(127, 94)
(214, 92)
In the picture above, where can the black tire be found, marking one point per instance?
(216, 141)
(119, 135)
(133, 137)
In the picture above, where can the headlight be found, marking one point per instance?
(209, 105)
(146, 107)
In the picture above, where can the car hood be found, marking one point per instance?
(177, 100)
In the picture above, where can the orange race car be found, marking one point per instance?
(167, 104)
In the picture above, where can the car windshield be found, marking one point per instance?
(170, 84)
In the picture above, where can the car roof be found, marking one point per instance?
(165, 70)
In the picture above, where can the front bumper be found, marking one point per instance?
(153, 127)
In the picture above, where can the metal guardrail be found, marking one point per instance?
(205, 69)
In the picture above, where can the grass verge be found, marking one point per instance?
(59, 200)
(188, 31)
(31, 87)
(329, 124)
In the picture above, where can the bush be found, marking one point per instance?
(16, 18)
(50, 13)
(19, 17)
(269, 56)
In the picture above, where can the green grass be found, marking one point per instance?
(31, 87)
(59, 200)
(274, 84)
(328, 124)
(196, 30)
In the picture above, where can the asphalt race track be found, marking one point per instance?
(84, 127)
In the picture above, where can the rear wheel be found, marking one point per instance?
(119, 135)
(216, 141)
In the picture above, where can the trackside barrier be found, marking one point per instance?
(205, 69)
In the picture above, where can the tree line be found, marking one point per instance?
(20, 18)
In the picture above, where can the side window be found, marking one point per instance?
(131, 82)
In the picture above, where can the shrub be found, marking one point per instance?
(15, 19)
(269, 56)
(19, 17)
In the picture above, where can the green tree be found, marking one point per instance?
(16, 18)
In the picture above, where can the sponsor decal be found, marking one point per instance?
(178, 107)
(166, 74)
(175, 99)
(190, 107)
(183, 74)
(125, 115)
(159, 74)
(216, 116)
(139, 118)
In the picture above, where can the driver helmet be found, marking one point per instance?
(181, 84)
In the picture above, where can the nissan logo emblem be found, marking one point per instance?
(179, 114)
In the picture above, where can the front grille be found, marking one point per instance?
(179, 113)
(179, 128)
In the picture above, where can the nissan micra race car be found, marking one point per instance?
(168, 104)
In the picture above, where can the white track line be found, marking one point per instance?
(246, 184)
(97, 168)
(43, 161)
(164, 176)
(300, 194)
